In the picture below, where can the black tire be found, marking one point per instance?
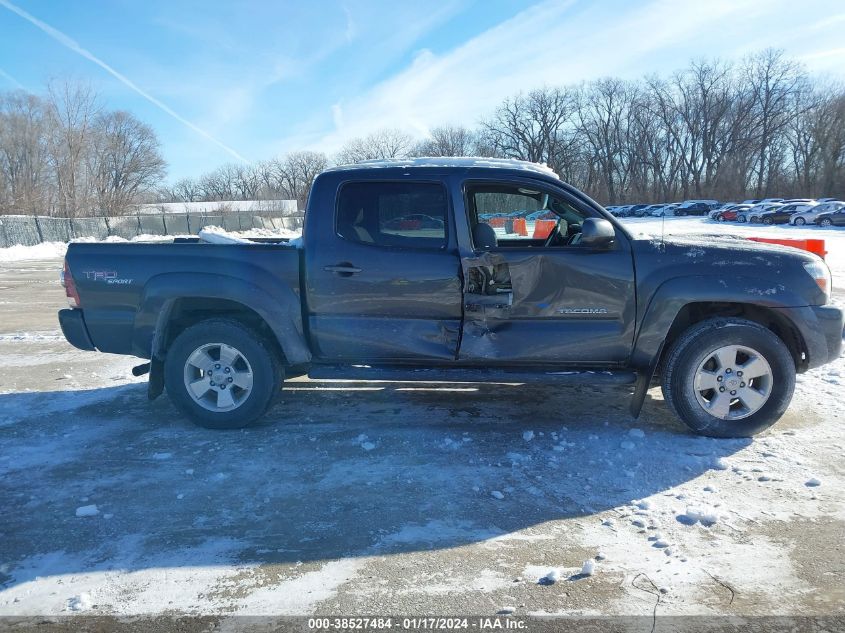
(720, 218)
(825, 222)
(692, 348)
(266, 369)
(768, 221)
(800, 221)
(680, 213)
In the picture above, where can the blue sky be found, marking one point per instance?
(220, 80)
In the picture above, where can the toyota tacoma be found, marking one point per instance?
(408, 270)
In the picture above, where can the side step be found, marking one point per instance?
(470, 374)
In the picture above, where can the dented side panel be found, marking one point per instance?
(560, 305)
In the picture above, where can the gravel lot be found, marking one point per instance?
(398, 498)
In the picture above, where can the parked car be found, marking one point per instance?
(782, 214)
(831, 218)
(636, 210)
(755, 212)
(714, 213)
(222, 326)
(809, 215)
(696, 207)
(647, 211)
(755, 216)
(752, 201)
(730, 215)
(665, 210)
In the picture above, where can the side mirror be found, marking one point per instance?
(597, 232)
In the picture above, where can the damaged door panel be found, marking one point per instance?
(555, 306)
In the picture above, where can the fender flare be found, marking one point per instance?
(674, 294)
(281, 311)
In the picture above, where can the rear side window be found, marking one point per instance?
(404, 214)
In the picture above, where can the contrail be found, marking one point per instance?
(68, 42)
(11, 79)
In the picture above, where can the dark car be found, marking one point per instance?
(782, 214)
(696, 208)
(833, 218)
(223, 325)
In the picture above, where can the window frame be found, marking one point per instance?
(544, 188)
(447, 232)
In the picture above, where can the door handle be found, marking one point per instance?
(343, 269)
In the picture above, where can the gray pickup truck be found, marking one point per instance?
(436, 268)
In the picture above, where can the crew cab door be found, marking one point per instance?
(534, 294)
(382, 278)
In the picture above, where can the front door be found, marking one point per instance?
(533, 293)
(385, 283)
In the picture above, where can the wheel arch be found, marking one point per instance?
(175, 302)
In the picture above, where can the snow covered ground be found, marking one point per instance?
(391, 497)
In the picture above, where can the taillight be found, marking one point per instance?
(70, 287)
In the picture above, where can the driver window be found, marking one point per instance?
(520, 216)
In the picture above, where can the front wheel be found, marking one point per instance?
(800, 221)
(728, 377)
(720, 218)
(221, 374)
(768, 221)
(826, 222)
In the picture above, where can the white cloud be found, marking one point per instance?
(552, 43)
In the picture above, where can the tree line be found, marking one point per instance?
(756, 128)
(62, 153)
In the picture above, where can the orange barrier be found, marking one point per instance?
(813, 246)
(520, 227)
(496, 222)
(543, 228)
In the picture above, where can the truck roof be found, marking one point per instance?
(463, 162)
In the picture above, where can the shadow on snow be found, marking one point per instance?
(335, 470)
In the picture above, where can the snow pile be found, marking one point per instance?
(45, 250)
(550, 578)
(218, 235)
(87, 511)
(82, 602)
(588, 568)
(700, 514)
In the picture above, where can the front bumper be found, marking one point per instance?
(821, 327)
(74, 329)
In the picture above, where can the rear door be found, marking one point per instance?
(383, 282)
(534, 300)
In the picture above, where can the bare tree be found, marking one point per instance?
(773, 80)
(123, 161)
(72, 109)
(298, 171)
(536, 127)
(448, 140)
(383, 144)
(23, 154)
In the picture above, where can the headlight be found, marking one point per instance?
(819, 271)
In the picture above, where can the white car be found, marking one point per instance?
(809, 215)
(758, 208)
(754, 213)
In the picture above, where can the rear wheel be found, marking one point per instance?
(800, 221)
(728, 378)
(221, 374)
(720, 218)
(768, 221)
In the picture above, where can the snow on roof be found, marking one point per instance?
(449, 161)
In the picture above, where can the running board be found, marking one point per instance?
(470, 374)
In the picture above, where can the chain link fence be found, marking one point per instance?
(29, 230)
